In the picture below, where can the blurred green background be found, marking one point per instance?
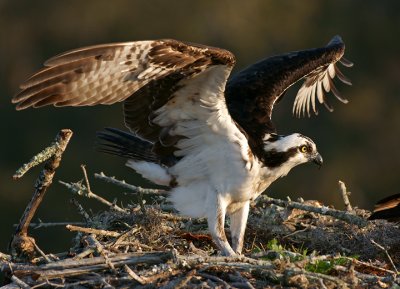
(359, 141)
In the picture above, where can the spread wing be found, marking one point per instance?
(252, 93)
(172, 92)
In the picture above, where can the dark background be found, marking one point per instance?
(359, 141)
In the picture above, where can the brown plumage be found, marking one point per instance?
(387, 208)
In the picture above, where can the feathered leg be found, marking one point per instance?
(238, 226)
(216, 221)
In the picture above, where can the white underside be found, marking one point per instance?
(214, 153)
(151, 171)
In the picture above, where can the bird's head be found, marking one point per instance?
(289, 151)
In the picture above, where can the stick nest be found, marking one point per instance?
(284, 247)
(288, 244)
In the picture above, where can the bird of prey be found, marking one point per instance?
(387, 208)
(207, 137)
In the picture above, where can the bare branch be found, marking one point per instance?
(130, 187)
(344, 216)
(345, 196)
(51, 224)
(21, 243)
(134, 276)
(19, 282)
(93, 231)
(387, 255)
(81, 210)
(41, 157)
(82, 190)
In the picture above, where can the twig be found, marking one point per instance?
(370, 265)
(93, 231)
(89, 191)
(47, 259)
(182, 281)
(80, 209)
(130, 187)
(239, 261)
(70, 267)
(241, 280)
(345, 196)
(21, 244)
(341, 215)
(46, 225)
(12, 286)
(134, 276)
(41, 157)
(82, 190)
(321, 284)
(387, 255)
(93, 243)
(316, 276)
(19, 282)
(123, 236)
(90, 194)
(214, 278)
(83, 254)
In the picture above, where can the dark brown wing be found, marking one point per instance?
(252, 93)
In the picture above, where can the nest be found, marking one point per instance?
(288, 244)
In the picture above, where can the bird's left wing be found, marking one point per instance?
(252, 93)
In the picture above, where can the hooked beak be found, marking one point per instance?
(317, 159)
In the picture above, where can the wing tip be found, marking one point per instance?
(345, 62)
(336, 43)
(337, 39)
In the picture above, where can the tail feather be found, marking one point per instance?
(127, 145)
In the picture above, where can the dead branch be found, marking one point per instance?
(341, 215)
(70, 267)
(22, 244)
(345, 196)
(289, 272)
(41, 157)
(387, 255)
(134, 276)
(238, 261)
(92, 231)
(81, 210)
(127, 186)
(51, 224)
(19, 282)
(80, 189)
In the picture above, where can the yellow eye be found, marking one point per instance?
(303, 149)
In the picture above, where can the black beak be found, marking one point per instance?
(317, 159)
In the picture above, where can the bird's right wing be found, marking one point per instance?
(252, 93)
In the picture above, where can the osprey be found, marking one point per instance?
(208, 137)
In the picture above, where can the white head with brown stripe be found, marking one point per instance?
(285, 152)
